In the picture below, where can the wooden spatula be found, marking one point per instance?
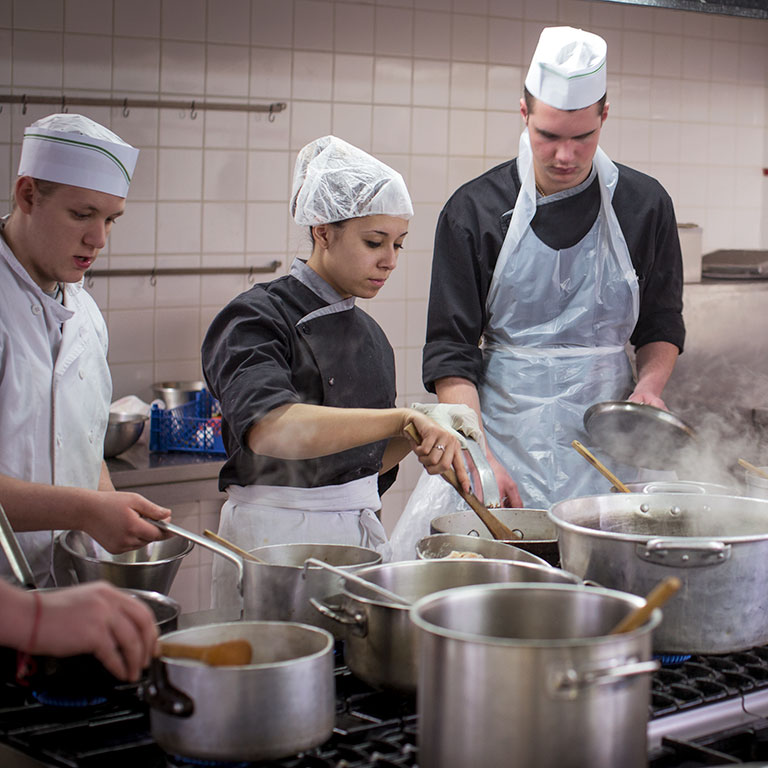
(655, 599)
(492, 523)
(752, 468)
(231, 653)
(600, 467)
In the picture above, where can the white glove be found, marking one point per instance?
(459, 418)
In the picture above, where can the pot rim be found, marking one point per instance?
(187, 663)
(383, 603)
(642, 538)
(314, 568)
(63, 540)
(554, 643)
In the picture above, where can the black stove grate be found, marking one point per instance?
(374, 729)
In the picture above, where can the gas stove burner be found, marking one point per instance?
(179, 761)
(53, 700)
(672, 659)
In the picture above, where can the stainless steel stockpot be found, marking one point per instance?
(538, 534)
(280, 704)
(439, 545)
(717, 545)
(525, 675)
(379, 639)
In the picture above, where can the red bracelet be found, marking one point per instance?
(35, 621)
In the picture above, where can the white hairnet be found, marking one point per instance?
(334, 181)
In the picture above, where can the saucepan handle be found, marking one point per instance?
(161, 695)
(207, 544)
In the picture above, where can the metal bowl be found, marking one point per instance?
(123, 430)
(151, 568)
(175, 393)
(440, 545)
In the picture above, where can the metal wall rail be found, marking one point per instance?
(154, 273)
(127, 104)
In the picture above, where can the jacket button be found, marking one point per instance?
(36, 310)
(81, 373)
(58, 440)
(306, 329)
(331, 381)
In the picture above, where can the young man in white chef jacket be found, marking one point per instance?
(55, 384)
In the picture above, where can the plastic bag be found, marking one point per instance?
(431, 498)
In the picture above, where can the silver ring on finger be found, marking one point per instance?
(440, 447)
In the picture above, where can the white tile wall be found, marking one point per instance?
(432, 86)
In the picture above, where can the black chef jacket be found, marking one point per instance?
(470, 233)
(263, 351)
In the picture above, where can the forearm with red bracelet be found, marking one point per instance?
(25, 665)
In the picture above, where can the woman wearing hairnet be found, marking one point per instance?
(306, 380)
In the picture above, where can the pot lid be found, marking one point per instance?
(636, 434)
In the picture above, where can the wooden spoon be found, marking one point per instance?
(232, 653)
(492, 523)
(753, 468)
(600, 467)
(231, 545)
(655, 599)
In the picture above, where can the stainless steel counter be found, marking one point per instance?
(167, 478)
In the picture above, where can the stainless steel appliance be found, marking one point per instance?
(705, 711)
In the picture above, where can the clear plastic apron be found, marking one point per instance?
(558, 321)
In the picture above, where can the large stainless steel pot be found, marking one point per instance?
(717, 546)
(678, 486)
(539, 535)
(527, 675)
(280, 588)
(379, 639)
(280, 704)
(152, 567)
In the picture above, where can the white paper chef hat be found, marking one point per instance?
(334, 181)
(73, 149)
(568, 68)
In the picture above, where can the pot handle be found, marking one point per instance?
(684, 553)
(336, 612)
(569, 683)
(160, 694)
(207, 543)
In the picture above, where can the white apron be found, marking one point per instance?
(554, 343)
(259, 515)
(53, 415)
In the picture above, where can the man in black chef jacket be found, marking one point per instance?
(544, 268)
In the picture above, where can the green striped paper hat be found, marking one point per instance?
(568, 68)
(73, 149)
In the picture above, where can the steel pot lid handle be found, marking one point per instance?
(369, 585)
(206, 543)
(684, 553)
(569, 683)
(14, 553)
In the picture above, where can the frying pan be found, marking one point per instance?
(637, 434)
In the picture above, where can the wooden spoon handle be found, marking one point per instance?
(752, 468)
(655, 599)
(230, 545)
(600, 467)
(492, 523)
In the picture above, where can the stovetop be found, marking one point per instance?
(704, 711)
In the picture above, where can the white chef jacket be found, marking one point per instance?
(53, 413)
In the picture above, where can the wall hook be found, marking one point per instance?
(193, 112)
(64, 103)
(271, 116)
(24, 104)
(126, 111)
(251, 277)
(89, 280)
(153, 278)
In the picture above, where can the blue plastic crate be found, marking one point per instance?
(194, 426)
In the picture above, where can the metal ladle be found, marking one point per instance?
(369, 585)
